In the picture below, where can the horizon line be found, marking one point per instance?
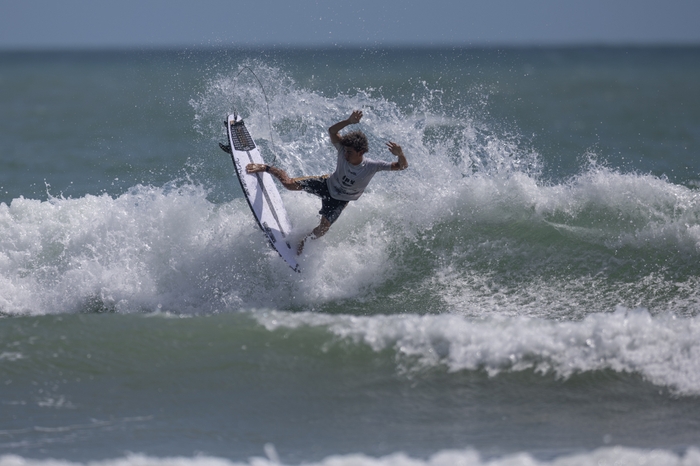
(346, 46)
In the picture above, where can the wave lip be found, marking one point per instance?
(665, 350)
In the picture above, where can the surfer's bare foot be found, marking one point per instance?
(255, 167)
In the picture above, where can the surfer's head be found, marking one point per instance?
(355, 140)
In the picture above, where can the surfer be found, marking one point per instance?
(352, 174)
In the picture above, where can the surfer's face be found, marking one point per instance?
(353, 156)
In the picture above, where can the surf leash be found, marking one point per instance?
(267, 104)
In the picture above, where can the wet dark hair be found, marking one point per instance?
(355, 139)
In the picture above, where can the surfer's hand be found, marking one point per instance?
(355, 117)
(394, 148)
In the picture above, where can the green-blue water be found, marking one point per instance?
(528, 290)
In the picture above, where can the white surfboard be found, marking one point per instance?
(260, 191)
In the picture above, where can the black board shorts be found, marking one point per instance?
(331, 208)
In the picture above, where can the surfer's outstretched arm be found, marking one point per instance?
(333, 131)
(287, 182)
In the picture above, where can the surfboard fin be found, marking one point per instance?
(226, 148)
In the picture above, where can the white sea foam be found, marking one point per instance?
(665, 350)
(609, 456)
(132, 252)
(171, 249)
(616, 209)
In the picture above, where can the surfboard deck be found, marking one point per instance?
(260, 191)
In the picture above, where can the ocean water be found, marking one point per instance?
(526, 293)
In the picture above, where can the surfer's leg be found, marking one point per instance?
(281, 175)
(317, 232)
(330, 211)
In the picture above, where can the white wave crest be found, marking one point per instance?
(665, 350)
(618, 456)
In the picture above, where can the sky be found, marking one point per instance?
(63, 24)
